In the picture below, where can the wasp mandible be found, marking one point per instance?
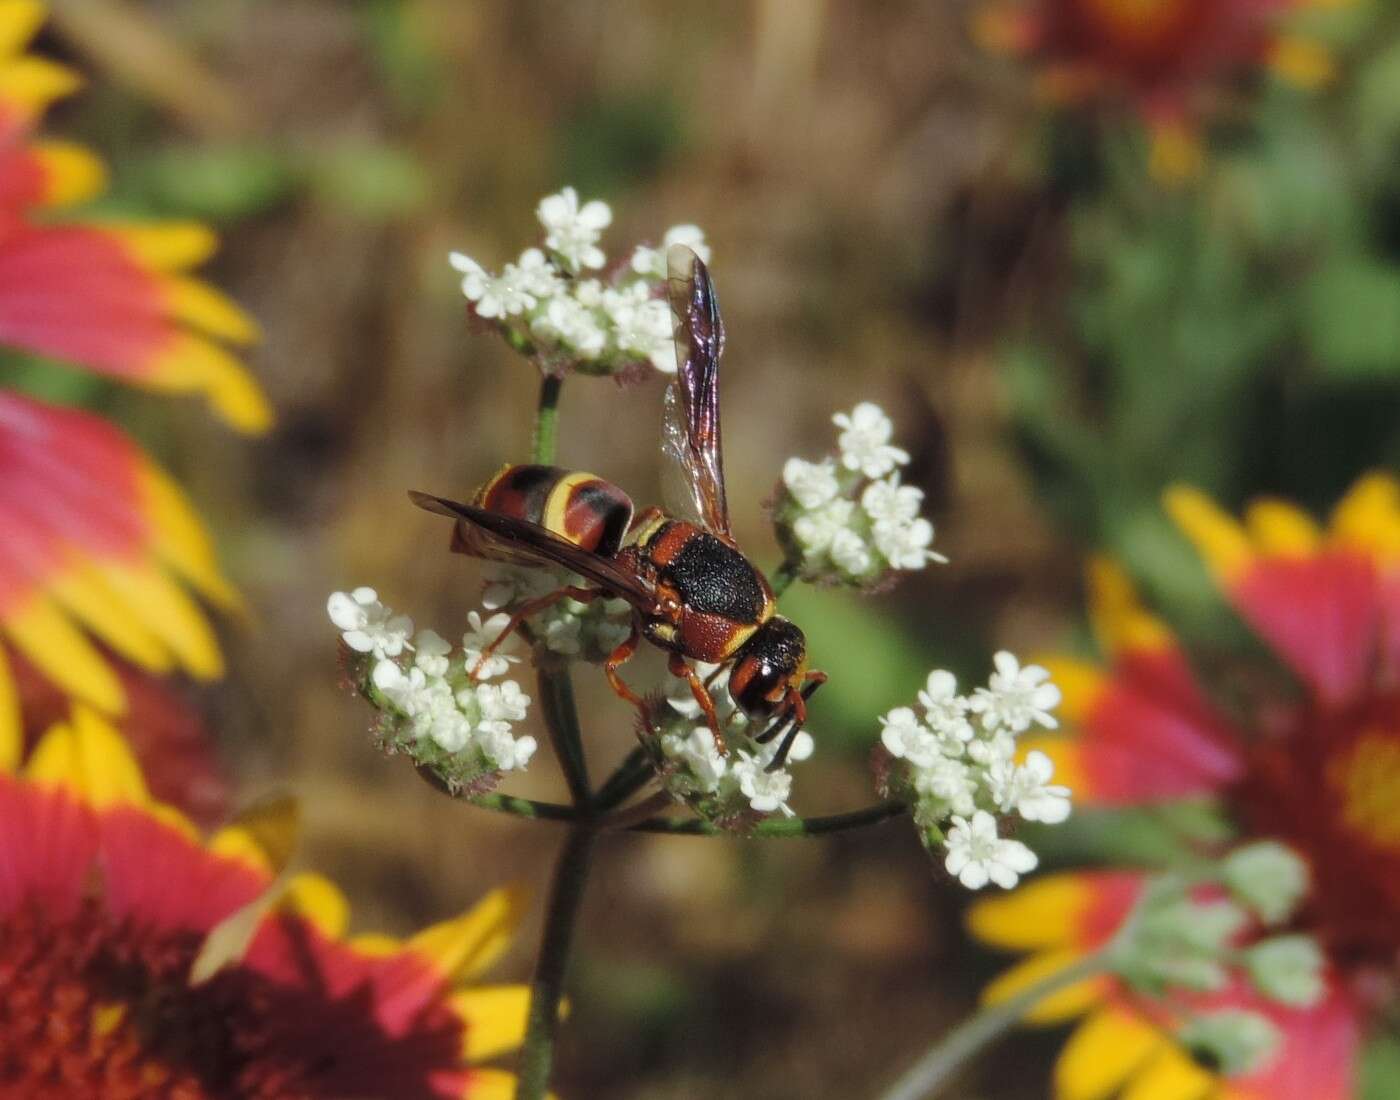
(692, 591)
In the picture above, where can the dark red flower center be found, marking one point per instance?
(1329, 784)
(89, 1008)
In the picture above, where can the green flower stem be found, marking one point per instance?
(546, 987)
(629, 777)
(931, 1073)
(524, 807)
(547, 420)
(628, 816)
(783, 577)
(776, 826)
(561, 720)
(571, 872)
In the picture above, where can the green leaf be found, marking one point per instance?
(1160, 836)
(875, 664)
(370, 182)
(1353, 317)
(221, 183)
(1380, 1069)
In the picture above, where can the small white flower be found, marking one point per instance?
(850, 553)
(811, 484)
(367, 625)
(475, 278)
(1026, 789)
(698, 755)
(766, 791)
(890, 502)
(535, 275)
(569, 322)
(817, 530)
(977, 855)
(450, 729)
(591, 294)
(949, 784)
(643, 329)
(496, 296)
(865, 441)
(506, 752)
(564, 635)
(992, 747)
(906, 738)
(430, 650)
(481, 634)
(402, 689)
(503, 702)
(1017, 697)
(571, 231)
(904, 543)
(651, 262)
(944, 709)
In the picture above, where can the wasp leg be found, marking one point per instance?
(533, 607)
(679, 668)
(794, 716)
(619, 657)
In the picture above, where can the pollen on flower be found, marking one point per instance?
(847, 519)
(544, 306)
(436, 702)
(957, 764)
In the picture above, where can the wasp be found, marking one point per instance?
(692, 591)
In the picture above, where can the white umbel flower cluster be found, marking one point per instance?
(562, 303)
(439, 704)
(723, 790)
(588, 631)
(956, 760)
(847, 519)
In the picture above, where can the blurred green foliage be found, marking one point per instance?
(1241, 334)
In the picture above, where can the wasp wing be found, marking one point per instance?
(522, 542)
(690, 431)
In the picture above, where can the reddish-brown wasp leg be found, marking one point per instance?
(793, 718)
(533, 607)
(620, 656)
(679, 668)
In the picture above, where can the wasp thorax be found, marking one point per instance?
(770, 663)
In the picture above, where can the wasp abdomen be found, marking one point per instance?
(582, 508)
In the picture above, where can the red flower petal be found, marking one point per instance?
(162, 879)
(1321, 614)
(75, 294)
(1318, 1054)
(47, 842)
(1150, 734)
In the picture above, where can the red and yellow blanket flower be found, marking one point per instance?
(1169, 60)
(108, 899)
(99, 543)
(1315, 767)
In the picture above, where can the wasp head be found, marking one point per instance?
(770, 664)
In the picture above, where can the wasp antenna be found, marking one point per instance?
(782, 754)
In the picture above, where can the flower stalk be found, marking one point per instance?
(547, 985)
(928, 1077)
